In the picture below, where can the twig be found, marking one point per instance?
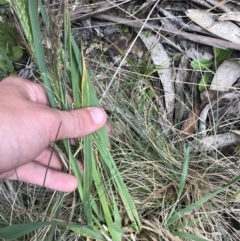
(194, 37)
(89, 12)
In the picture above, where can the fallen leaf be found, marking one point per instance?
(209, 21)
(210, 143)
(182, 77)
(231, 16)
(236, 132)
(225, 97)
(208, 96)
(161, 58)
(227, 74)
(223, 5)
(189, 125)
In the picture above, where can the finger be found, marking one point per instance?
(77, 123)
(33, 91)
(50, 158)
(35, 173)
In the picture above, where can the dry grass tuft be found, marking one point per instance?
(151, 166)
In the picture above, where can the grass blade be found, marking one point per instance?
(197, 204)
(75, 62)
(188, 236)
(105, 204)
(182, 181)
(87, 148)
(15, 231)
(121, 187)
(39, 51)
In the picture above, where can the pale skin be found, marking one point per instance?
(28, 125)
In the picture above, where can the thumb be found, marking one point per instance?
(78, 123)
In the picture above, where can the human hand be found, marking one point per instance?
(28, 125)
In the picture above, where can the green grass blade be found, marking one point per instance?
(74, 165)
(87, 177)
(120, 185)
(15, 231)
(105, 204)
(197, 204)
(78, 174)
(188, 236)
(44, 14)
(116, 214)
(184, 172)
(85, 231)
(87, 148)
(233, 196)
(75, 72)
(194, 221)
(3, 223)
(39, 51)
(182, 181)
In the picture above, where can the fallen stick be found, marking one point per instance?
(223, 44)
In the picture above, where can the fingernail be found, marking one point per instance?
(97, 114)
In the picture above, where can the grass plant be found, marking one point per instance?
(178, 193)
(99, 201)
